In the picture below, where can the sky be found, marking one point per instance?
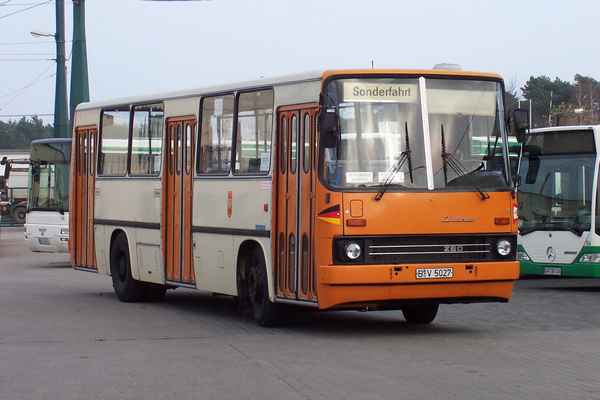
(138, 47)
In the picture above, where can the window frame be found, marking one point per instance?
(132, 108)
(199, 158)
(234, 170)
(99, 152)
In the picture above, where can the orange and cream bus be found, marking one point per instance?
(346, 189)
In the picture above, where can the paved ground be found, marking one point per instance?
(64, 335)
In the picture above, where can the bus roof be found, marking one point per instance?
(565, 128)
(51, 141)
(280, 81)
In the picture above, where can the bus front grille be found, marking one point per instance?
(416, 249)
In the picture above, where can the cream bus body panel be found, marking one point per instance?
(215, 255)
(142, 204)
(182, 107)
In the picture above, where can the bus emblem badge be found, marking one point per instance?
(551, 253)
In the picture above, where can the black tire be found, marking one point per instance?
(264, 311)
(127, 289)
(242, 301)
(19, 213)
(420, 314)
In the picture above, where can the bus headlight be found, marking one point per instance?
(590, 258)
(64, 231)
(503, 247)
(353, 250)
(522, 256)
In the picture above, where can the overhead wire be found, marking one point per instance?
(6, 4)
(24, 59)
(25, 9)
(26, 54)
(16, 93)
(35, 42)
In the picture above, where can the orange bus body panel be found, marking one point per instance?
(176, 227)
(81, 202)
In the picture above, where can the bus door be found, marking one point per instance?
(295, 271)
(82, 216)
(176, 226)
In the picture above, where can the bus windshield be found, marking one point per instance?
(557, 172)
(49, 177)
(390, 127)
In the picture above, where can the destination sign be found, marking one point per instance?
(380, 92)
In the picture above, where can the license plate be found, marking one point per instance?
(435, 273)
(44, 241)
(552, 271)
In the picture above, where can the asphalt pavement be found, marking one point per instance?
(64, 335)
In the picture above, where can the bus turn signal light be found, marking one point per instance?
(501, 220)
(356, 222)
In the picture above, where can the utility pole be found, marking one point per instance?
(61, 117)
(80, 91)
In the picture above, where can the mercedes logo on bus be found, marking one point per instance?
(551, 253)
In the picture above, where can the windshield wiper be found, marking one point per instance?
(449, 160)
(403, 159)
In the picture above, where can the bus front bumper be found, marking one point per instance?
(574, 270)
(48, 239)
(388, 286)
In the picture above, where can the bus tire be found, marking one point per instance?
(19, 213)
(420, 314)
(127, 289)
(264, 311)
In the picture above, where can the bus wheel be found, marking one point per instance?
(127, 289)
(264, 311)
(420, 313)
(18, 214)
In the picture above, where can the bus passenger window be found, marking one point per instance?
(171, 145)
(216, 135)
(294, 145)
(114, 142)
(188, 148)
(178, 150)
(306, 140)
(254, 128)
(146, 140)
(283, 145)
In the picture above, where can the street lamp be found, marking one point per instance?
(42, 34)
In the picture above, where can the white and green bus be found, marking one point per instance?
(47, 219)
(559, 230)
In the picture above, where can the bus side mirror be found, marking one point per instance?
(520, 123)
(329, 129)
(4, 160)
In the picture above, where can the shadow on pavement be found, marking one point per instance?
(303, 320)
